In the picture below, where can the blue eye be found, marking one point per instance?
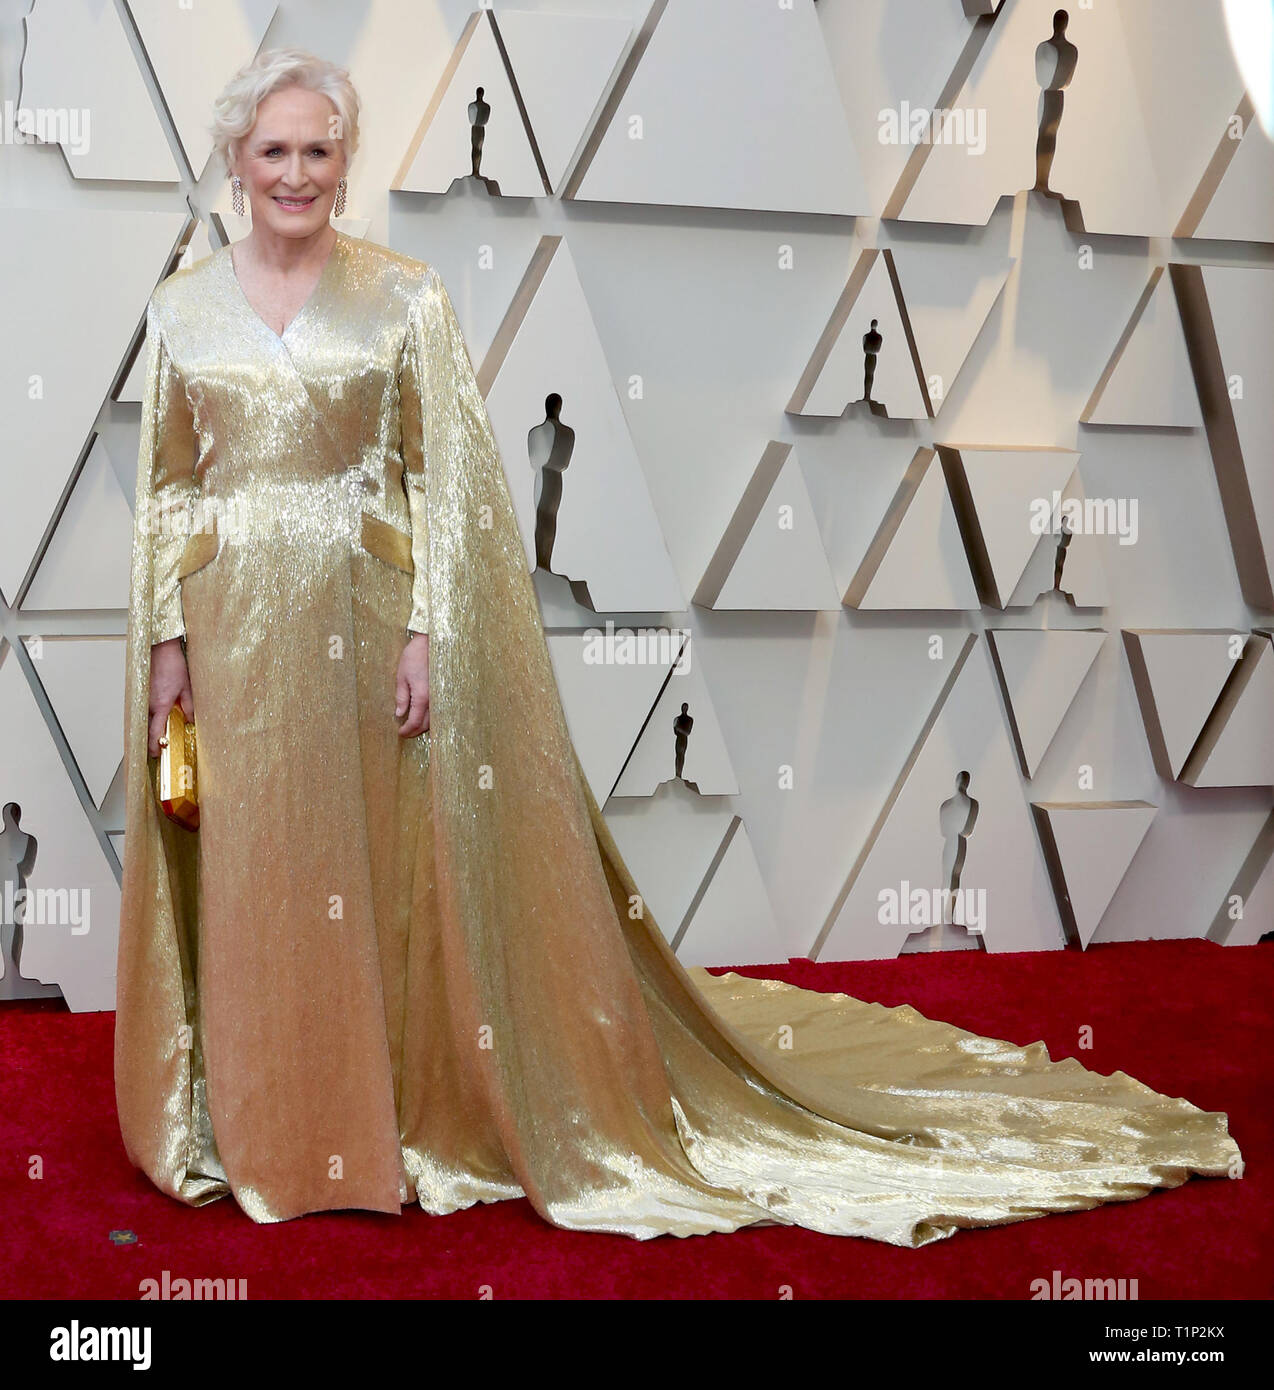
(278, 149)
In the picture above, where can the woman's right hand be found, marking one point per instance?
(169, 683)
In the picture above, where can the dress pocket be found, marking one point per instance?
(201, 549)
(387, 543)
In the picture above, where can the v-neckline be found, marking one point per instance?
(323, 275)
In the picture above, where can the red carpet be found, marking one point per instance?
(1186, 1017)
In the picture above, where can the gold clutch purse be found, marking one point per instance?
(176, 774)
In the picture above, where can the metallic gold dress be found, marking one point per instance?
(389, 970)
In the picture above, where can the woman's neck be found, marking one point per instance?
(285, 255)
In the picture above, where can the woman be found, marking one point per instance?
(402, 959)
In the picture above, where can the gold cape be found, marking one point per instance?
(388, 969)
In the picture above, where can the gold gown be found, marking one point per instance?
(389, 970)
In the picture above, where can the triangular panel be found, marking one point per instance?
(911, 846)
(771, 555)
(1091, 845)
(1148, 380)
(1041, 671)
(608, 537)
(694, 126)
(1178, 676)
(917, 557)
(836, 375)
(732, 923)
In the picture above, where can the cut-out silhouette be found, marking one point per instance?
(1055, 61)
(479, 114)
(956, 818)
(873, 341)
(549, 447)
(681, 727)
(17, 860)
(1059, 560)
(560, 442)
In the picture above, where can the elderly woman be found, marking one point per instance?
(401, 959)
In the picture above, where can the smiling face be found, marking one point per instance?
(291, 161)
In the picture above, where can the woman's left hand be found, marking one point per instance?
(413, 687)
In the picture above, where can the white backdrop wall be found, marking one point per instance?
(719, 181)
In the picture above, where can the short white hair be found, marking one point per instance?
(235, 110)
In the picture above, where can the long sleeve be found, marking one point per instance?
(444, 417)
(166, 483)
(412, 388)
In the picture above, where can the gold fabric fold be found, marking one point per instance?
(487, 1015)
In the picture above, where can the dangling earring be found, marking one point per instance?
(338, 208)
(236, 195)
